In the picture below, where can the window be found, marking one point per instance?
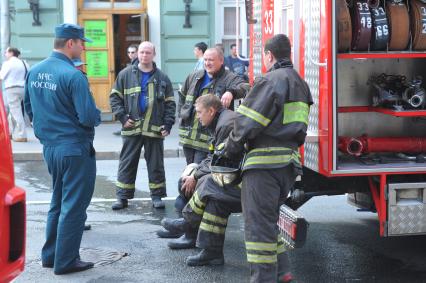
(226, 27)
(107, 4)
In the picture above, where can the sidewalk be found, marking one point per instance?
(107, 145)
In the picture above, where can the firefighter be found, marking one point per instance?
(210, 206)
(142, 99)
(213, 79)
(64, 114)
(272, 123)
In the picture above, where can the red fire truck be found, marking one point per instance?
(367, 128)
(12, 209)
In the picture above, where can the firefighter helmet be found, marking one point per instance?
(225, 172)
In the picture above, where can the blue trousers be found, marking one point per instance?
(73, 171)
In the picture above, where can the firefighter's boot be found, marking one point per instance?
(206, 257)
(163, 233)
(120, 204)
(186, 241)
(157, 202)
(175, 225)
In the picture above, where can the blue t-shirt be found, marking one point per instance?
(143, 98)
(204, 83)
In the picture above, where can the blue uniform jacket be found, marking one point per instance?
(59, 103)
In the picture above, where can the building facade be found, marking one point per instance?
(174, 26)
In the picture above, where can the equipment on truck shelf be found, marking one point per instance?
(393, 91)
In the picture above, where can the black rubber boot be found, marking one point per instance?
(157, 202)
(178, 225)
(186, 241)
(206, 257)
(163, 233)
(120, 204)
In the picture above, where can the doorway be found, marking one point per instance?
(128, 30)
(106, 56)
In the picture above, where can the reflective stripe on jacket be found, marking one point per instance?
(191, 133)
(124, 100)
(272, 120)
(222, 125)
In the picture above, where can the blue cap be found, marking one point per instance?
(70, 31)
(78, 62)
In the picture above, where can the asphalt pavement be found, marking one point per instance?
(343, 245)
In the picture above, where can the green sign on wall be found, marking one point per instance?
(97, 64)
(96, 30)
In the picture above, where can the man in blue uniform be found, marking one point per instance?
(64, 114)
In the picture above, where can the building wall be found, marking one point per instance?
(35, 42)
(177, 43)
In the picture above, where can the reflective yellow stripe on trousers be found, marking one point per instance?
(261, 252)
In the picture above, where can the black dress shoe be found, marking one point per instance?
(184, 242)
(168, 234)
(77, 267)
(87, 227)
(120, 204)
(206, 257)
(47, 265)
(179, 225)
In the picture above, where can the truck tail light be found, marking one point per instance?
(293, 227)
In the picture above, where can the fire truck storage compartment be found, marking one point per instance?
(407, 208)
(356, 117)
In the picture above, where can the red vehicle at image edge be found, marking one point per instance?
(12, 209)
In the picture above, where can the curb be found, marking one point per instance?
(100, 155)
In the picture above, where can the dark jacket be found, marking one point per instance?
(219, 130)
(191, 133)
(272, 120)
(161, 109)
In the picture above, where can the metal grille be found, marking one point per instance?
(257, 33)
(311, 18)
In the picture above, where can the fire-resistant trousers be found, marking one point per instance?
(208, 211)
(263, 191)
(191, 156)
(129, 161)
(73, 171)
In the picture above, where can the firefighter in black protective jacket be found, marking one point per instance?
(215, 80)
(272, 121)
(142, 99)
(208, 210)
